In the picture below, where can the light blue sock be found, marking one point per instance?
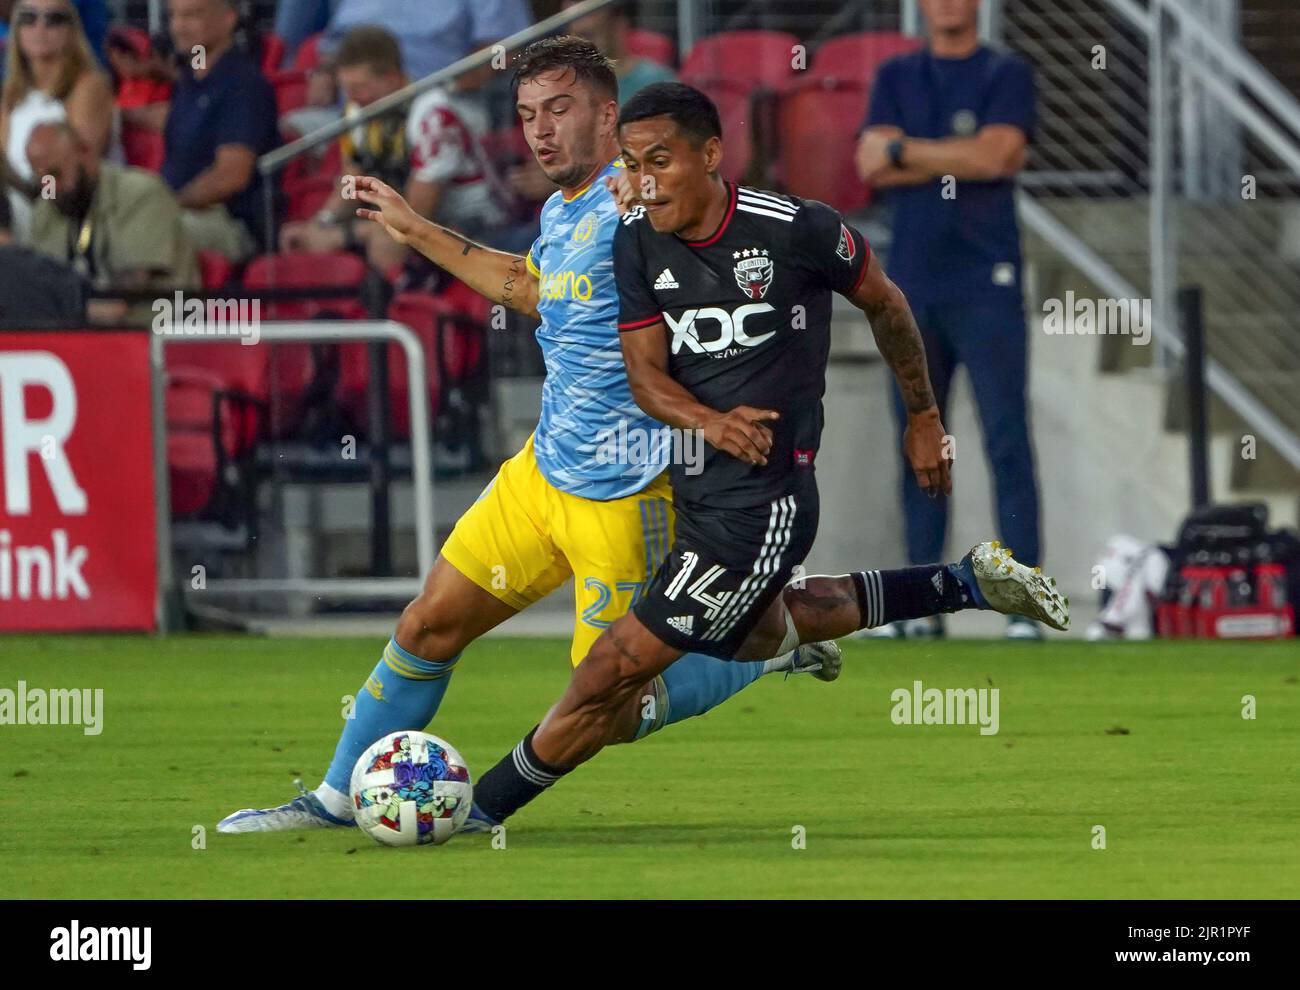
(693, 685)
(403, 692)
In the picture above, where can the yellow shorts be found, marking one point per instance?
(524, 537)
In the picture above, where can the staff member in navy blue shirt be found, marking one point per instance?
(222, 117)
(945, 135)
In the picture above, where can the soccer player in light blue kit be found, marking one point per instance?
(563, 506)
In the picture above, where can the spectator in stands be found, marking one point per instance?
(35, 288)
(51, 74)
(446, 33)
(433, 35)
(143, 80)
(607, 29)
(946, 134)
(116, 226)
(222, 117)
(433, 152)
(94, 14)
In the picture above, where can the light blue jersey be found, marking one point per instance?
(592, 440)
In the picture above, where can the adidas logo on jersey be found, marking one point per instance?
(666, 280)
(683, 624)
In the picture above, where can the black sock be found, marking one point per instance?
(514, 781)
(908, 593)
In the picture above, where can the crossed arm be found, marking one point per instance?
(500, 276)
(995, 152)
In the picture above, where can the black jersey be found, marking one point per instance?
(748, 310)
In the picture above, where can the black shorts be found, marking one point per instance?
(725, 568)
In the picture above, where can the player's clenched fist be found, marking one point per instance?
(924, 443)
(742, 433)
(391, 211)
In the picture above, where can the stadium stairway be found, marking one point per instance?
(1250, 325)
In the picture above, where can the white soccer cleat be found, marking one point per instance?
(303, 812)
(1008, 586)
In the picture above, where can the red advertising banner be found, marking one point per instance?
(78, 544)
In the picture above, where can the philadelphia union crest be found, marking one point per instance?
(753, 272)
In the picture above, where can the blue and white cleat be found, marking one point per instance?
(823, 660)
(303, 812)
(477, 821)
(995, 581)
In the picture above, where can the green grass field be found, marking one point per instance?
(1145, 740)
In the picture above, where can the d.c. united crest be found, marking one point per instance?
(753, 272)
(847, 249)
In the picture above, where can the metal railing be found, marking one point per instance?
(1183, 168)
(373, 588)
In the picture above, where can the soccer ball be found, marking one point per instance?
(411, 789)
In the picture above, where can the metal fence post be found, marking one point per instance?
(1193, 327)
(1159, 229)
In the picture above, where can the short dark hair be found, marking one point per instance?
(6, 214)
(587, 62)
(372, 46)
(691, 110)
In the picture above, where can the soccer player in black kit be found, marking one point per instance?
(725, 304)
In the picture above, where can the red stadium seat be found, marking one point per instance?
(652, 45)
(293, 366)
(215, 270)
(747, 58)
(423, 314)
(817, 129)
(310, 182)
(229, 366)
(142, 147)
(290, 87)
(210, 427)
(820, 112)
(464, 300)
(449, 325)
(191, 454)
(272, 53)
(740, 70)
(306, 197)
(856, 57)
(300, 270)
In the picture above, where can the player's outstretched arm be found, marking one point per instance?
(900, 344)
(741, 432)
(502, 277)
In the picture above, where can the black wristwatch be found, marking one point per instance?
(895, 151)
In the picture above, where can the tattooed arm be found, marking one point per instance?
(502, 277)
(900, 344)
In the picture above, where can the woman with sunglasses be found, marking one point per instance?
(50, 75)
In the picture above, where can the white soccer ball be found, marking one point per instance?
(411, 789)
